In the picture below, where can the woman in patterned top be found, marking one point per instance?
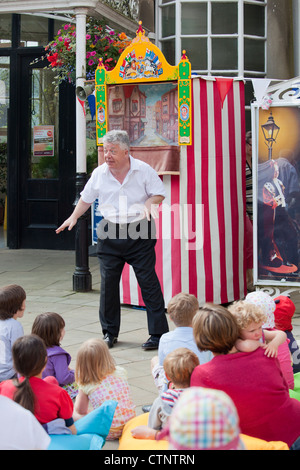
(99, 379)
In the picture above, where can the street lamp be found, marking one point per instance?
(270, 131)
(82, 278)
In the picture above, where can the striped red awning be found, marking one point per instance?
(201, 241)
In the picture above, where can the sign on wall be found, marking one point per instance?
(43, 141)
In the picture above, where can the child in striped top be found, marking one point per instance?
(178, 366)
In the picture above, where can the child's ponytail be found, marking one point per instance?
(29, 357)
(24, 395)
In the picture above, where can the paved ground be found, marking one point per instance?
(46, 276)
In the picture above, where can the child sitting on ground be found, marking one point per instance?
(12, 307)
(203, 419)
(44, 398)
(99, 379)
(178, 366)
(50, 326)
(284, 311)
(254, 324)
(181, 309)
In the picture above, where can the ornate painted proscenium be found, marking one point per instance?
(140, 63)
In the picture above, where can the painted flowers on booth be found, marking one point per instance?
(102, 43)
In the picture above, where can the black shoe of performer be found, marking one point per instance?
(110, 340)
(151, 343)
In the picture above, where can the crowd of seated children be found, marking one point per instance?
(217, 361)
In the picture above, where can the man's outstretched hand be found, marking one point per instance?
(70, 222)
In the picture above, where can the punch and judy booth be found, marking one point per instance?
(191, 130)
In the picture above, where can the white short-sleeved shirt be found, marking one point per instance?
(181, 337)
(123, 203)
(10, 330)
(19, 429)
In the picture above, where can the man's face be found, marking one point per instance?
(115, 157)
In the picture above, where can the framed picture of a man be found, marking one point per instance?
(276, 185)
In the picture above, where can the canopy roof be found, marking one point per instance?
(59, 8)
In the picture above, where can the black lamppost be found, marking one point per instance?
(82, 278)
(270, 131)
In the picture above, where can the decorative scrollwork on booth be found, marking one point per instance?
(140, 63)
(288, 91)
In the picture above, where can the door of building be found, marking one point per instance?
(42, 156)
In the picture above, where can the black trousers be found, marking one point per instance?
(133, 244)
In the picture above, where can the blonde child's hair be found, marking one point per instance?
(246, 313)
(183, 307)
(94, 362)
(179, 365)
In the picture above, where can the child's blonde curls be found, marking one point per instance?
(246, 313)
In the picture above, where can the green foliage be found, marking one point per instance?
(92, 161)
(102, 44)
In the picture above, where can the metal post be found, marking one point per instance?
(82, 279)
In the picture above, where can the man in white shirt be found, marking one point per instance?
(128, 192)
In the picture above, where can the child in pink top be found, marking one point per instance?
(255, 317)
(253, 381)
(99, 379)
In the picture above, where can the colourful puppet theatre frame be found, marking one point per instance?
(143, 62)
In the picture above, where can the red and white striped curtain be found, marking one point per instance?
(201, 238)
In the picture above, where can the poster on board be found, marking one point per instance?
(43, 141)
(278, 195)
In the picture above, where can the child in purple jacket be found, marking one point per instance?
(50, 327)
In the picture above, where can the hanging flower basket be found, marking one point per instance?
(102, 43)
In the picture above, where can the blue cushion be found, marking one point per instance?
(98, 421)
(75, 442)
(92, 430)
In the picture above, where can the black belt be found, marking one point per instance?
(143, 228)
